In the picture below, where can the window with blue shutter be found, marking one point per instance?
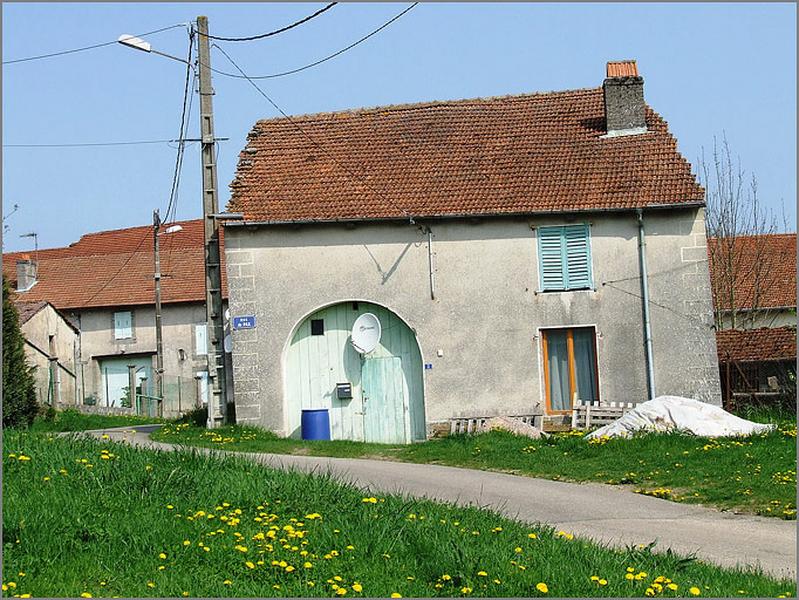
(564, 257)
(123, 325)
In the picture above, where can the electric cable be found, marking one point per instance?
(92, 47)
(271, 33)
(122, 268)
(320, 61)
(314, 142)
(90, 144)
(181, 135)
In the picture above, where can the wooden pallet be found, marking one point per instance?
(596, 414)
(477, 424)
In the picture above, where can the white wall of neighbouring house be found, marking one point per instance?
(38, 331)
(184, 352)
(480, 336)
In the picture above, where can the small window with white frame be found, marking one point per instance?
(201, 339)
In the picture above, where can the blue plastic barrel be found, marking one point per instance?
(315, 424)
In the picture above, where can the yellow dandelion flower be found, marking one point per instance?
(150, 584)
(227, 582)
(482, 574)
(85, 595)
(694, 591)
(672, 586)
(250, 565)
(629, 576)
(186, 543)
(184, 594)
(466, 590)
(357, 587)
(396, 595)
(542, 587)
(341, 591)
(307, 565)
(446, 577)
(602, 582)
(631, 569)
(289, 569)
(162, 556)
(532, 536)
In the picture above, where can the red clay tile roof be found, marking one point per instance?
(755, 345)
(115, 268)
(509, 155)
(760, 271)
(622, 68)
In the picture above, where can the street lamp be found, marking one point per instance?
(159, 348)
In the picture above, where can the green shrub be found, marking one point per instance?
(197, 417)
(19, 392)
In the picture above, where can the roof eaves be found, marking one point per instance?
(476, 215)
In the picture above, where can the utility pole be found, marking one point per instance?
(159, 346)
(217, 405)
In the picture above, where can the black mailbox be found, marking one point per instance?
(344, 391)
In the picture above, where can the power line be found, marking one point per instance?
(187, 94)
(313, 141)
(663, 306)
(122, 268)
(320, 61)
(83, 49)
(91, 144)
(271, 33)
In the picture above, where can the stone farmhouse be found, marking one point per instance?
(522, 254)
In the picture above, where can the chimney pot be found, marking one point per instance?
(624, 99)
(26, 273)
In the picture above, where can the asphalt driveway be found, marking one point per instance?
(601, 512)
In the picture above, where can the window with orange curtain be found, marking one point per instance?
(570, 367)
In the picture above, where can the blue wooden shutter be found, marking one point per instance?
(551, 258)
(123, 325)
(578, 256)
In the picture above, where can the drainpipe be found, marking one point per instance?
(650, 366)
(430, 262)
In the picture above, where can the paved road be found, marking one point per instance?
(602, 512)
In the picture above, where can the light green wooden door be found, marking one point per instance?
(383, 400)
(320, 355)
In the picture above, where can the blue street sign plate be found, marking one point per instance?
(245, 322)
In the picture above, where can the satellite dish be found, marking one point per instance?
(366, 333)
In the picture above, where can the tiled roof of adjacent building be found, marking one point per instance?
(755, 345)
(760, 271)
(115, 268)
(26, 310)
(534, 153)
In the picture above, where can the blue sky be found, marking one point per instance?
(709, 69)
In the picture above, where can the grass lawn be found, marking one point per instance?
(73, 420)
(83, 517)
(756, 474)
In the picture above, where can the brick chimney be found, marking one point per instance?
(624, 99)
(26, 273)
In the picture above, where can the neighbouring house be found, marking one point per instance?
(104, 285)
(754, 293)
(496, 241)
(51, 346)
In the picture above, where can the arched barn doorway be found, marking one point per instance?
(387, 403)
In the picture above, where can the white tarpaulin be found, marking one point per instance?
(673, 413)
